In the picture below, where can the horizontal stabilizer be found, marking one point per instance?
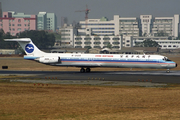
(19, 39)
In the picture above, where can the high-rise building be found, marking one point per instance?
(118, 26)
(160, 26)
(67, 35)
(46, 21)
(41, 21)
(97, 27)
(127, 26)
(146, 24)
(51, 22)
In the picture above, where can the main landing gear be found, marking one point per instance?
(82, 70)
(167, 71)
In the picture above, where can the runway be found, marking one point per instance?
(126, 76)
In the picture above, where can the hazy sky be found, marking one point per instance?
(98, 8)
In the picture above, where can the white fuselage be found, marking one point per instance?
(105, 60)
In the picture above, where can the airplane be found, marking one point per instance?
(88, 61)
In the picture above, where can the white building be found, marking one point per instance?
(118, 26)
(146, 25)
(153, 26)
(98, 42)
(169, 44)
(67, 36)
(97, 27)
(151, 38)
(165, 44)
(127, 41)
(126, 26)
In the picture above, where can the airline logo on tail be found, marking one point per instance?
(29, 48)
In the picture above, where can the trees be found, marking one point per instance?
(7, 45)
(150, 43)
(41, 39)
(147, 43)
(139, 44)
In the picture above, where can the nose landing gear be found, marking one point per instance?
(82, 70)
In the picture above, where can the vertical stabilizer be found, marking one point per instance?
(28, 46)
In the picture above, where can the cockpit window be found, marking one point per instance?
(166, 59)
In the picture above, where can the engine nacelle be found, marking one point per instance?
(49, 60)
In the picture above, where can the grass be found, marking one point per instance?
(77, 102)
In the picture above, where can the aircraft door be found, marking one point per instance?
(59, 60)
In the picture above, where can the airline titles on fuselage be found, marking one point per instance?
(103, 55)
(126, 56)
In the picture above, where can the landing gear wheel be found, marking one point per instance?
(167, 71)
(88, 70)
(82, 70)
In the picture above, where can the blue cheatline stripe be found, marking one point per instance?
(83, 60)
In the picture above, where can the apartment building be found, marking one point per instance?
(46, 21)
(14, 23)
(127, 41)
(51, 22)
(41, 21)
(97, 27)
(67, 36)
(146, 25)
(129, 26)
(117, 26)
(17, 22)
(168, 26)
(115, 42)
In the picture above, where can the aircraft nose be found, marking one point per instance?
(176, 64)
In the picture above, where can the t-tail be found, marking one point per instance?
(28, 46)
